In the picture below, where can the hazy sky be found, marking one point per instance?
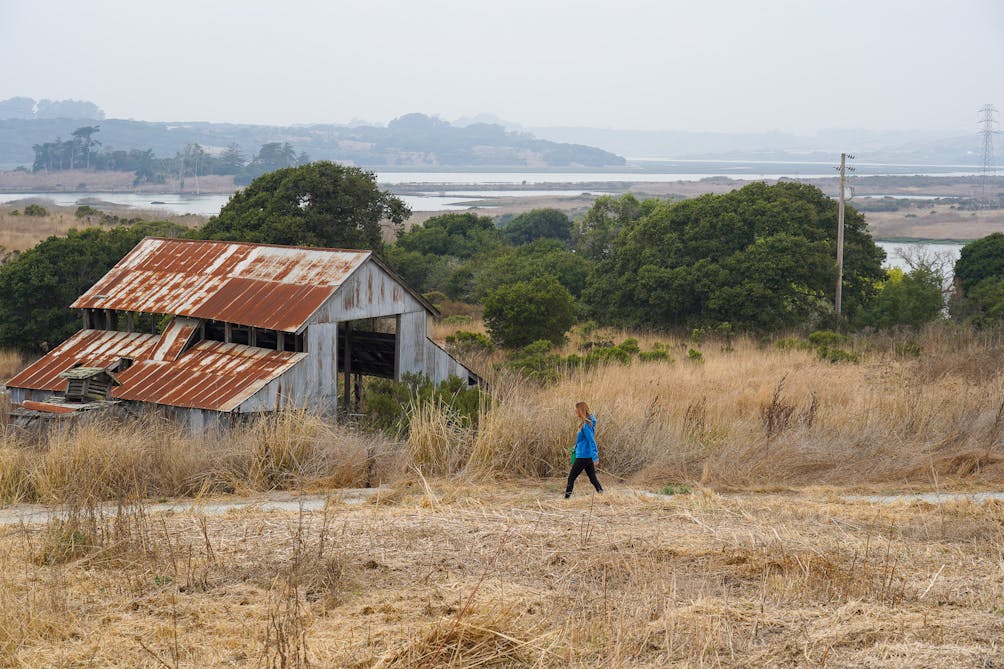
(726, 65)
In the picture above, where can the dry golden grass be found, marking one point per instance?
(20, 233)
(510, 575)
(149, 457)
(752, 414)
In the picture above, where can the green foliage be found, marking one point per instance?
(524, 312)
(35, 210)
(544, 257)
(984, 303)
(910, 299)
(835, 355)
(386, 403)
(420, 271)
(980, 273)
(537, 361)
(674, 489)
(980, 260)
(594, 233)
(15, 212)
(320, 204)
(538, 224)
(463, 341)
(457, 235)
(87, 210)
(37, 287)
(828, 338)
(909, 349)
(695, 356)
(759, 258)
(656, 355)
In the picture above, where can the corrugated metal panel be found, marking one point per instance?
(273, 287)
(173, 340)
(211, 375)
(89, 348)
(45, 407)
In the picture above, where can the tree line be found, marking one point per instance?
(82, 151)
(760, 259)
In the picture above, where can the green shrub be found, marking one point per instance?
(536, 361)
(87, 210)
(674, 489)
(466, 342)
(522, 313)
(655, 355)
(828, 338)
(35, 210)
(695, 356)
(836, 355)
(386, 402)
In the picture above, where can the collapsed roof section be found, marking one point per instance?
(210, 375)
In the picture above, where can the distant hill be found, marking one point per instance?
(413, 140)
(876, 146)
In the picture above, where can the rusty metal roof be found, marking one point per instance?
(260, 285)
(210, 375)
(45, 407)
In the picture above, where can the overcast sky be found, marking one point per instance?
(725, 65)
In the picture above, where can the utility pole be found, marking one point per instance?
(840, 228)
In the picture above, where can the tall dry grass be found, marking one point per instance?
(151, 457)
(748, 415)
(754, 414)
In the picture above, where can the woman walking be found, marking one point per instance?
(586, 453)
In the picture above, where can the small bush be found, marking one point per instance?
(468, 342)
(909, 349)
(386, 402)
(655, 355)
(836, 355)
(87, 210)
(15, 212)
(695, 356)
(674, 489)
(828, 338)
(35, 210)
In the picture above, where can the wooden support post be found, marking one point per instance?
(347, 365)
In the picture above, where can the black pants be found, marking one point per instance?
(577, 467)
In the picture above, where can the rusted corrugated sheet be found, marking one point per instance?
(273, 287)
(210, 375)
(45, 407)
(173, 340)
(89, 348)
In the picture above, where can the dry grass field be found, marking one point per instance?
(940, 221)
(454, 574)
(469, 557)
(20, 232)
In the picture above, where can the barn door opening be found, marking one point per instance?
(366, 347)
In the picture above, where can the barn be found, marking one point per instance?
(208, 329)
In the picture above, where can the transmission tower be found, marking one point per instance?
(988, 123)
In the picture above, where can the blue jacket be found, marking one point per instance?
(585, 441)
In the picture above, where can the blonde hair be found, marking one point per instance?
(582, 409)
